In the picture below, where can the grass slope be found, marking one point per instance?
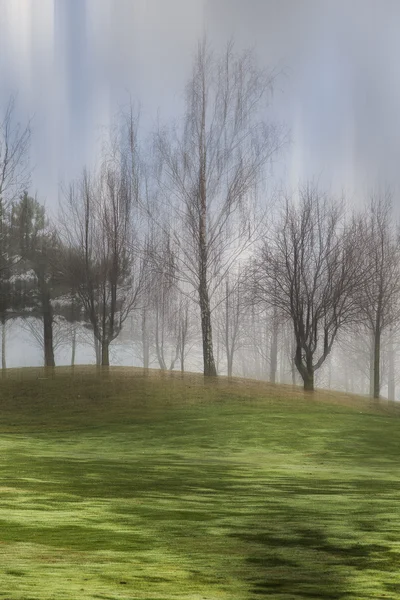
(148, 487)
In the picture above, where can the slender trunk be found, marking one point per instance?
(174, 357)
(371, 366)
(48, 334)
(329, 374)
(293, 360)
(274, 350)
(105, 354)
(208, 353)
(282, 367)
(265, 360)
(159, 347)
(97, 350)
(145, 341)
(392, 376)
(230, 363)
(204, 300)
(364, 384)
(182, 345)
(218, 354)
(377, 362)
(3, 345)
(73, 351)
(227, 330)
(346, 377)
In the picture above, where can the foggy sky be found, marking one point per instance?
(72, 62)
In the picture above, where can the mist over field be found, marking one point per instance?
(76, 69)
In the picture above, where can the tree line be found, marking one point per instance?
(177, 246)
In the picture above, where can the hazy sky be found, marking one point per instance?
(73, 61)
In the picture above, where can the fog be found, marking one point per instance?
(72, 64)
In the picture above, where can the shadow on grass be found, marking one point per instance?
(307, 566)
(300, 564)
(296, 549)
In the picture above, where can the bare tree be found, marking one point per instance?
(252, 352)
(164, 301)
(310, 270)
(354, 345)
(103, 263)
(210, 168)
(186, 330)
(230, 322)
(379, 297)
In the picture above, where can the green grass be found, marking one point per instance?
(156, 487)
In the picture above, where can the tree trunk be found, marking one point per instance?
(230, 363)
(174, 357)
(97, 348)
(48, 336)
(306, 370)
(293, 369)
(182, 345)
(159, 346)
(229, 357)
(204, 300)
(105, 354)
(377, 362)
(292, 354)
(208, 353)
(145, 341)
(371, 366)
(3, 345)
(308, 380)
(274, 350)
(73, 352)
(282, 367)
(161, 360)
(205, 311)
(346, 378)
(330, 373)
(391, 369)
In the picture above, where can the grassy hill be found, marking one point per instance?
(135, 486)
